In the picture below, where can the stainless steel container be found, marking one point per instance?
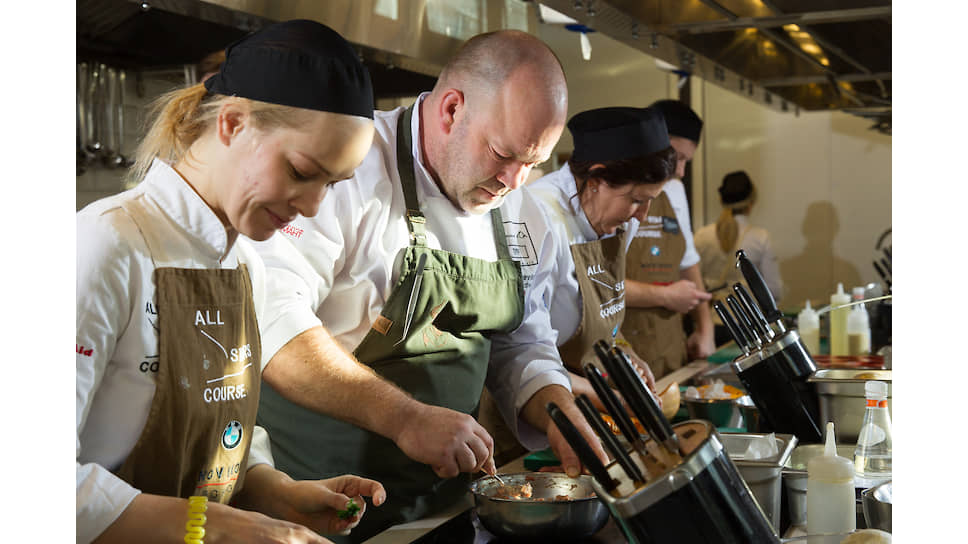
(840, 394)
(876, 502)
(763, 476)
(720, 412)
(701, 500)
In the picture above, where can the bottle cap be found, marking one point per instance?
(875, 389)
(840, 288)
(858, 293)
(830, 467)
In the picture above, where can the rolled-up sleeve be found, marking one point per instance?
(526, 360)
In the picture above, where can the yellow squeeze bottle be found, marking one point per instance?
(838, 321)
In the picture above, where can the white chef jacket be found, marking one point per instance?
(676, 191)
(755, 241)
(569, 225)
(339, 267)
(116, 339)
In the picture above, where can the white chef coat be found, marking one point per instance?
(755, 241)
(339, 267)
(116, 339)
(676, 192)
(569, 225)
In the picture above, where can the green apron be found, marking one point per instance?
(442, 360)
(656, 333)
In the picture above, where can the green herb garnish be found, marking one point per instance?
(351, 510)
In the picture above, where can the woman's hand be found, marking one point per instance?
(313, 503)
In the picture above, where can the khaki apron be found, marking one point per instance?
(656, 334)
(199, 428)
(442, 361)
(600, 268)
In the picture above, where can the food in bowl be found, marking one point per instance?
(714, 391)
(507, 491)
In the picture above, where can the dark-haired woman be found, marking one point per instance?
(169, 300)
(621, 159)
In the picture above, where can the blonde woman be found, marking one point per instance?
(169, 300)
(718, 242)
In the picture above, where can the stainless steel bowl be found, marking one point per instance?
(877, 506)
(751, 415)
(561, 508)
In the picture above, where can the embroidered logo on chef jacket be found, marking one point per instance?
(232, 435)
(654, 250)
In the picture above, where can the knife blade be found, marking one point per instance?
(608, 439)
(757, 317)
(760, 290)
(581, 448)
(414, 292)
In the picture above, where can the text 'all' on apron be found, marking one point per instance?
(656, 334)
(448, 307)
(199, 428)
(600, 268)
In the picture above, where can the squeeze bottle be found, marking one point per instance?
(831, 507)
(808, 325)
(838, 321)
(858, 331)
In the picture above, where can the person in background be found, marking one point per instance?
(718, 242)
(621, 159)
(663, 281)
(421, 300)
(170, 300)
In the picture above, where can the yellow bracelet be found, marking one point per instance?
(195, 527)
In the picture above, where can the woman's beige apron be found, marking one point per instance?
(656, 334)
(199, 428)
(457, 302)
(600, 268)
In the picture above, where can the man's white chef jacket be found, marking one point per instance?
(116, 340)
(338, 268)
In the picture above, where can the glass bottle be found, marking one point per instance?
(872, 457)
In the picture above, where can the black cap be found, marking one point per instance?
(680, 119)
(736, 187)
(297, 63)
(615, 133)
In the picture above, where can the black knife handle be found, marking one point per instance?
(652, 403)
(612, 404)
(584, 452)
(759, 320)
(611, 444)
(759, 288)
(635, 394)
(731, 325)
(743, 320)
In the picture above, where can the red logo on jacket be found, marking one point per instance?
(81, 350)
(292, 231)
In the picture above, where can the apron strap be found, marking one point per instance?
(416, 222)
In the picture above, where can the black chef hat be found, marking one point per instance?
(297, 63)
(615, 133)
(736, 187)
(680, 119)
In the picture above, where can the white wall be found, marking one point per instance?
(823, 178)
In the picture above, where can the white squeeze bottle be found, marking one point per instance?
(808, 325)
(831, 507)
(838, 321)
(858, 331)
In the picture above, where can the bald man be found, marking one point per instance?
(407, 293)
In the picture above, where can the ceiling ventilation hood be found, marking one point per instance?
(790, 55)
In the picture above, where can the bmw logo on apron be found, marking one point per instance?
(654, 250)
(232, 435)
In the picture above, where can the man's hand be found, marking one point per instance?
(534, 412)
(683, 295)
(450, 442)
(317, 503)
(701, 344)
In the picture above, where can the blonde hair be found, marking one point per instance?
(180, 117)
(727, 230)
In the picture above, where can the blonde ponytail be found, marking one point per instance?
(727, 230)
